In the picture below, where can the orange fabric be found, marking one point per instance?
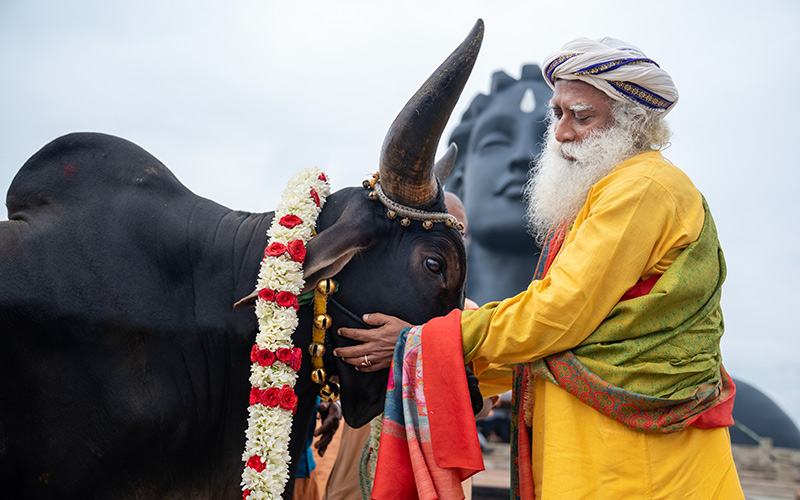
(429, 441)
(453, 431)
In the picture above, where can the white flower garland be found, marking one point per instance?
(275, 360)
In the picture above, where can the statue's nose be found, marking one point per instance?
(526, 147)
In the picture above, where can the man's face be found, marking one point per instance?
(506, 137)
(584, 144)
(578, 110)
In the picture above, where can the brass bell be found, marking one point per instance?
(322, 321)
(365, 184)
(448, 223)
(326, 286)
(391, 214)
(319, 376)
(460, 226)
(316, 349)
(330, 392)
(427, 224)
(405, 222)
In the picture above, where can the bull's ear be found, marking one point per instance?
(330, 250)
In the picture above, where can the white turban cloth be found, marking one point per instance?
(617, 68)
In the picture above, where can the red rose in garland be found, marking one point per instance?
(297, 250)
(288, 399)
(284, 355)
(287, 299)
(255, 395)
(265, 357)
(254, 353)
(274, 249)
(290, 221)
(255, 463)
(271, 397)
(297, 358)
(266, 294)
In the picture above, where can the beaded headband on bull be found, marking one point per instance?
(406, 213)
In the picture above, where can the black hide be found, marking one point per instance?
(123, 368)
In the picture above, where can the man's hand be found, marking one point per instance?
(330, 414)
(378, 343)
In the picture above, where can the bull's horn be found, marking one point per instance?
(445, 165)
(406, 164)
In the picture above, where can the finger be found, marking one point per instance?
(328, 425)
(356, 334)
(323, 441)
(356, 351)
(375, 350)
(378, 319)
(357, 361)
(322, 446)
(373, 367)
(380, 359)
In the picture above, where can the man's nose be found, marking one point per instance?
(564, 131)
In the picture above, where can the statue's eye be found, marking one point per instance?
(433, 265)
(493, 140)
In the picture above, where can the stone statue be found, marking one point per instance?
(498, 137)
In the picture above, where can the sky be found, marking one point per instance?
(236, 96)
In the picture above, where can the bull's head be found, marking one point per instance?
(382, 266)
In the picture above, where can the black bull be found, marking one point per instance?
(123, 368)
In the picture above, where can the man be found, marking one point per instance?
(619, 387)
(498, 136)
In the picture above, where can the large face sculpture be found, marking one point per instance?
(498, 138)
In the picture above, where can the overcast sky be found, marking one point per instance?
(236, 96)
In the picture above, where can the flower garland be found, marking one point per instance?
(275, 361)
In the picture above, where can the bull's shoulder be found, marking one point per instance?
(86, 167)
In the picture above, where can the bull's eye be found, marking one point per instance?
(433, 265)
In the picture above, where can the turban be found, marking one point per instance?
(617, 68)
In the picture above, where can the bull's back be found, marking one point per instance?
(105, 360)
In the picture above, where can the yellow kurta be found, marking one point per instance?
(634, 224)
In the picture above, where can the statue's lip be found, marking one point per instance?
(511, 187)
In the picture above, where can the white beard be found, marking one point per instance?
(559, 187)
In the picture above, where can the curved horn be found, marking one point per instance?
(406, 165)
(444, 166)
